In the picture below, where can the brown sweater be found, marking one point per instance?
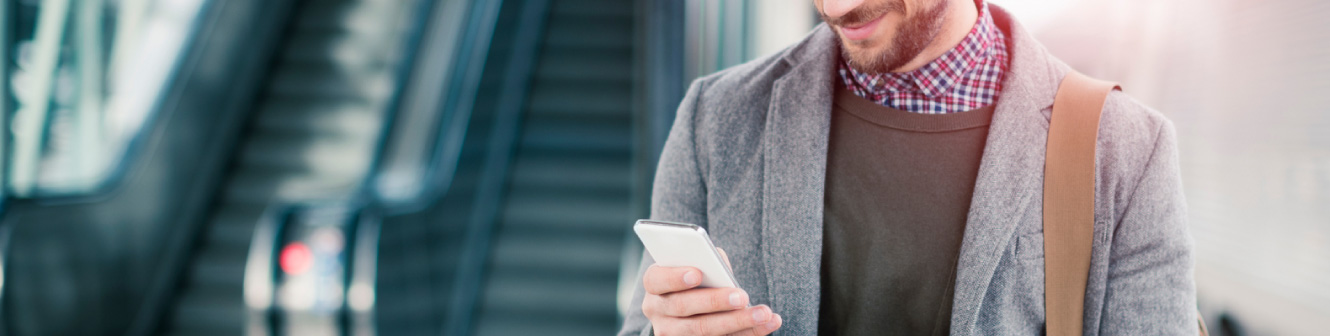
(898, 189)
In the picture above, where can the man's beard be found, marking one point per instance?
(911, 38)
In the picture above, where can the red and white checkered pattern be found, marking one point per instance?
(964, 78)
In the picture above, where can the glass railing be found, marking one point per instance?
(86, 78)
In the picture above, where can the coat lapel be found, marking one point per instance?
(1010, 177)
(795, 159)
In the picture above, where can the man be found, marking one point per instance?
(885, 176)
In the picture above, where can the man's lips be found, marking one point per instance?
(860, 32)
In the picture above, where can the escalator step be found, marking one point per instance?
(492, 325)
(322, 154)
(310, 81)
(417, 268)
(531, 297)
(590, 214)
(222, 313)
(338, 52)
(352, 16)
(231, 229)
(351, 121)
(250, 186)
(574, 135)
(297, 104)
(235, 222)
(591, 8)
(570, 172)
(221, 272)
(564, 251)
(592, 35)
(227, 244)
(586, 101)
(225, 253)
(570, 65)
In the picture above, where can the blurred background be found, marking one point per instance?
(472, 167)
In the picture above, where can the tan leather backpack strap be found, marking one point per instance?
(1069, 172)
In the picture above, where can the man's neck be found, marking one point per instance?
(960, 18)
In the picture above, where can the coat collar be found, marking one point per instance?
(795, 158)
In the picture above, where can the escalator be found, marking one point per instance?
(526, 234)
(529, 155)
(553, 265)
(313, 136)
(527, 237)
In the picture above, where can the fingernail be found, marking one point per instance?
(773, 324)
(738, 300)
(760, 314)
(691, 278)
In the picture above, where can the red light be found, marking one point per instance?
(295, 258)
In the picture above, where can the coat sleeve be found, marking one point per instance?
(678, 194)
(1150, 288)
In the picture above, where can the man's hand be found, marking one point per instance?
(676, 307)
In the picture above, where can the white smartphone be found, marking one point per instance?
(681, 244)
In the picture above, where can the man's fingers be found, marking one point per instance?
(664, 280)
(763, 329)
(723, 323)
(698, 301)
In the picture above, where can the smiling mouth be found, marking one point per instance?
(862, 31)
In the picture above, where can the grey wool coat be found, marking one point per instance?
(746, 158)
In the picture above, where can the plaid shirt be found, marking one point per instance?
(964, 78)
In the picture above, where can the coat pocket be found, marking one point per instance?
(1030, 246)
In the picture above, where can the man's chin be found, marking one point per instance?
(864, 59)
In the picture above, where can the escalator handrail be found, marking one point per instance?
(459, 100)
(404, 75)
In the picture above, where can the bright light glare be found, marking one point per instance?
(1034, 14)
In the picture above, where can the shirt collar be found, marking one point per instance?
(941, 75)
